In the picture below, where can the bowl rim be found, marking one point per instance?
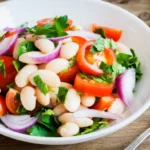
(93, 135)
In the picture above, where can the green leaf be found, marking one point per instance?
(98, 124)
(10, 85)
(62, 93)
(21, 110)
(26, 46)
(18, 65)
(41, 85)
(2, 67)
(106, 78)
(101, 32)
(83, 75)
(17, 96)
(72, 62)
(48, 112)
(63, 71)
(106, 68)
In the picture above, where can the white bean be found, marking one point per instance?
(57, 65)
(65, 84)
(15, 52)
(81, 122)
(22, 78)
(59, 109)
(48, 77)
(28, 98)
(117, 107)
(45, 45)
(68, 129)
(41, 98)
(87, 101)
(31, 37)
(123, 49)
(69, 50)
(67, 40)
(72, 102)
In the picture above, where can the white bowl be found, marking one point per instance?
(136, 34)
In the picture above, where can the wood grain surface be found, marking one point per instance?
(115, 141)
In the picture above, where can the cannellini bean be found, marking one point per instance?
(48, 77)
(59, 109)
(65, 84)
(41, 98)
(57, 65)
(15, 52)
(87, 101)
(123, 49)
(76, 27)
(69, 50)
(81, 122)
(44, 45)
(72, 102)
(117, 107)
(22, 78)
(67, 40)
(68, 129)
(28, 98)
(41, 66)
(31, 37)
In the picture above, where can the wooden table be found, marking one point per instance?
(115, 141)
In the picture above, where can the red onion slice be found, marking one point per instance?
(19, 123)
(95, 113)
(84, 34)
(59, 38)
(125, 84)
(38, 57)
(7, 43)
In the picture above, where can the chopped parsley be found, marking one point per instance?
(101, 32)
(2, 67)
(21, 110)
(62, 93)
(72, 61)
(41, 85)
(18, 65)
(10, 85)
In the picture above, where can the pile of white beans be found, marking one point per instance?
(30, 93)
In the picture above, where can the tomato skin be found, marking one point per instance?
(69, 76)
(104, 103)
(79, 40)
(10, 71)
(82, 62)
(11, 102)
(110, 56)
(111, 33)
(3, 108)
(92, 88)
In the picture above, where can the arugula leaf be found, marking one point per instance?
(10, 85)
(2, 67)
(62, 93)
(26, 46)
(41, 85)
(98, 124)
(18, 65)
(21, 110)
(106, 68)
(101, 32)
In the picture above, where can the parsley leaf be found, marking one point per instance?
(10, 85)
(72, 62)
(101, 32)
(2, 67)
(21, 110)
(106, 78)
(41, 85)
(62, 93)
(106, 68)
(26, 46)
(18, 65)
(98, 124)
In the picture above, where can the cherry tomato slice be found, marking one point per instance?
(91, 87)
(79, 40)
(3, 108)
(110, 56)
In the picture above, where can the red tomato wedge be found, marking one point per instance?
(111, 33)
(110, 56)
(69, 76)
(11, 102)
(51, 21)
(83, 64)
(104, 103)
(91, 87)
(3, 108)
(10, 71)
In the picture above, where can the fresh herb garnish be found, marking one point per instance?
(65, 70)
(18, 65)
(26, 46)
(101, 43)
(72, 62)
(98, 124)
(101, 32)
(17, 96)
(62, 93)
(41, 85)
(106, 68)
(10, 85)
(2, 67)
(21, 110)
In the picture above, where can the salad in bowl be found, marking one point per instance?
(57, 79)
